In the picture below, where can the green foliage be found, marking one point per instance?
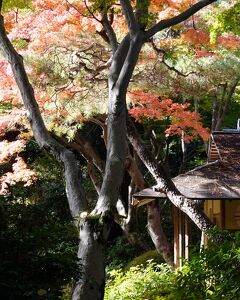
(226, 21)
(232, 115)
(5, 107)
(101, 6)
(38, 252)
(141, 282)
(142, 13)
(10, 4)
(214, 273)
(119, 254)
(144, 258)
(20, 44)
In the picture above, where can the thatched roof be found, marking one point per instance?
(219, 179)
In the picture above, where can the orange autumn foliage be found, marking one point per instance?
(20, 173)
(10, 151)
(148, 106)
(196, 37)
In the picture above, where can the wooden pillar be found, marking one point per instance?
(181, 237)
(176, 232)
(186, 239)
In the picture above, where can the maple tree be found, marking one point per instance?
(79, 69)
(10, 149)
(147, 105)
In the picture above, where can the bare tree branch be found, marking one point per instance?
(177, 19)
(109, 32)
(171, 68)
(164, 182)
(93, 176)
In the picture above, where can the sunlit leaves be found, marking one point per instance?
(147, 106)
(10, 118)
(196, 37)
(8, 149)
(10, 4)
(20, 173)
(226, 21)
(58, 39)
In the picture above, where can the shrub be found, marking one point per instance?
(144, 258)
(38, 240)
(214, 273)
(119, 254)
(152, 281)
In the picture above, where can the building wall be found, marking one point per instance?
(224, 213)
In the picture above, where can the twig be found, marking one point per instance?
(163, 52)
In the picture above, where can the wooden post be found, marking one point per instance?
(186, 232)
(176, 237)
(181, 237)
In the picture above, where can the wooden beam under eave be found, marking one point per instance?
(141, 201)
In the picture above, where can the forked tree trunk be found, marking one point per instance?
(93, 238)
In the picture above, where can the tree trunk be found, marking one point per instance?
(154, 219)
(165, 184)
(227, 94)
(214, 113)
(183, 165)
(157, 234)
(91, 284)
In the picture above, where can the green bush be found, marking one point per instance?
(212, 274)
(151, 282)
(119, 254)
(144, 258)
(37, 253)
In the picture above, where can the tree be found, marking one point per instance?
(94, 225)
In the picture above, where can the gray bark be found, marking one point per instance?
(157, 234)
(155, 228)
(123, 64)
(165, 184)
(163, 24)
(214, 113)
(90, 252)
(226, 99)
